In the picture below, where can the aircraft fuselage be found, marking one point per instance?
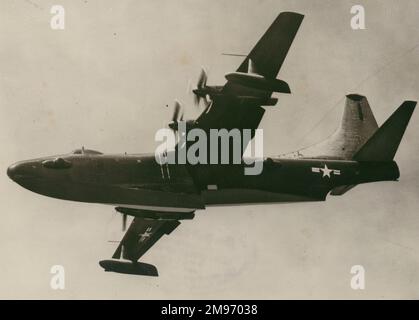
(138, 181)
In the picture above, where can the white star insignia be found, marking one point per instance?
(326, 171)
(145, 235)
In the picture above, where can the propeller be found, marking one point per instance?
(202, 80)
(177, 115)
(176, 111)
(199, 92)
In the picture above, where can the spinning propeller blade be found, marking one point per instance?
(202, 80)
(176, 111)
(199, 92)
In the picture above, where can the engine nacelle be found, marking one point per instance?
(256, 81)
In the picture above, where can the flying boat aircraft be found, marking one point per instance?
(159, 196)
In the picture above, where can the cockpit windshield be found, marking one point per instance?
(85, 151)
(57, 163)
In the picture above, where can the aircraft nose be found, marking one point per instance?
(26, 174)
(17, 171)
(11, 171)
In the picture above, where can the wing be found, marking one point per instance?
(271, 50)
(239, 105)
(145, 230)
(142, 234)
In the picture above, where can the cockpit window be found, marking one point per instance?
(85, 151)
(57, 163)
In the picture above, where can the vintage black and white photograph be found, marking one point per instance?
(209, 150)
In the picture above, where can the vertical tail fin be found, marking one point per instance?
(383, 145)
(357, 126)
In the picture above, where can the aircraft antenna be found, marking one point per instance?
(234, 54)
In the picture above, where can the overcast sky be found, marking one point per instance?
(103, 83)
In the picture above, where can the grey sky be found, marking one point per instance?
(103, 83)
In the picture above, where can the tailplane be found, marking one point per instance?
(383, 144)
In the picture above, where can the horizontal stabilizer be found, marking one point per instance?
(383, 144)
(340, 190)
